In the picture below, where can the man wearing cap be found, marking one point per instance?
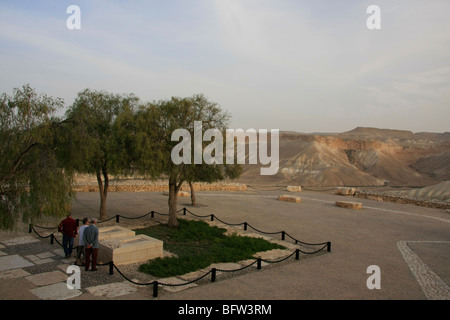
(91, 244)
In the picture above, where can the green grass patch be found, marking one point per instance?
(197, 245)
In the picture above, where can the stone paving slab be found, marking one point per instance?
(112, 290)
(192, 275)
(13, 273)
(45, 255)
(63, 267)
(224, 266)
(47, 278)
(252, 262)
(59, 252)
(41, 258)
(13, 262)
(56, 291)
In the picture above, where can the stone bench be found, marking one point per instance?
(346, 191)
(290, 198)
(294, 188)
(349, 205)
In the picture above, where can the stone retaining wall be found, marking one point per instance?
(402, 199)
(163, 187)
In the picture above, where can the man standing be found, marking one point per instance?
(90, 237)
(81, 242)
(68, 227)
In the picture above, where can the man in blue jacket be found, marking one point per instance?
(91, 245)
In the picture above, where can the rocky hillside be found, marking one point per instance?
(360, 157)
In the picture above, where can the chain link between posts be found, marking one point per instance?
(212, 271)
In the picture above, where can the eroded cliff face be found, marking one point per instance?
(361, 157)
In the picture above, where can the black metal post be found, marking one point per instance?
(328, 246)
(52, 238)
(245, 226)
(212, 217)
(152, 214)
(297, 254)
(29, 228)
(184, 211)
(258, 265)
(155, 289)
(283, 235)
(213, 274)
(117, 218)
(111, 267)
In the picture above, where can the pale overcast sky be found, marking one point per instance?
(306, 66)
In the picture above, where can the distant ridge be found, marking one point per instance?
(363, 156)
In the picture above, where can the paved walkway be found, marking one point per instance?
(409, 244)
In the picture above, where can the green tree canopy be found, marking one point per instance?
(155, 124)
(32, 182)
(94, 143)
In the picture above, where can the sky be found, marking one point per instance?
(293, 65)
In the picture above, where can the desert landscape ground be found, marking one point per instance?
(409, 244)
(398, 178)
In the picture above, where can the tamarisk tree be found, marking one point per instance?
(155, 125)
(33, 183)
(94, 144)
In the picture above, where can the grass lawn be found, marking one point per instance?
(198, 245)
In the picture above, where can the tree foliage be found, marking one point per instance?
(103, 134)
(94, 143)
(155, 124)
(33, 183)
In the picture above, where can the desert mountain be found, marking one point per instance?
(360, 157)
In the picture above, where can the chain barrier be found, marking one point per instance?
(246, 225)
(213, 271)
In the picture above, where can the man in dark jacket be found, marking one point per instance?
(91, 244)
(68, 227)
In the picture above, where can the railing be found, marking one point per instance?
(213, 271)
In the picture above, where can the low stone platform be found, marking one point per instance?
(294, 188)
(115, 232)
(290, 198)
(123, 246)
(346, 191)
(349, 205)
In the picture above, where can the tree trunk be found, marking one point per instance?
(193, 198)
(103, 189)
(173, 194)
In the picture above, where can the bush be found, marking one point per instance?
(198, 245)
